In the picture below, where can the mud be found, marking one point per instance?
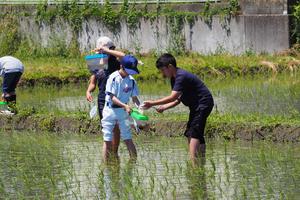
(276, 132)
(52, 81)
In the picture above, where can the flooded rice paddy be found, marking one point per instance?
(67, 166)
(245, 95)
(48, 166)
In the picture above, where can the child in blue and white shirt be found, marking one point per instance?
(120, 87)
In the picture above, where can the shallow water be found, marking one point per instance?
(278, 95)
(43, 166)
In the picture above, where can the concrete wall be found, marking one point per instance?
(266, 33)
(264, 6)
(262, 26)
(260, 33)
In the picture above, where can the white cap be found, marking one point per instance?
(104, 41)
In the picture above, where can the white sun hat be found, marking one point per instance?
(104, 41)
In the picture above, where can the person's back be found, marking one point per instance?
(102, 76)
(194, 92)
(11, 69)
(9, 64)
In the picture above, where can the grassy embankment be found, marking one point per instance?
(65, 70)
(61, 69)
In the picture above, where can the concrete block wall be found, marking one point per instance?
(262, 26)
(250, 7)
(258, 33)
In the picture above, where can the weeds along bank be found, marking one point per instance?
(51, 40)
(60, 70)
(228, 126)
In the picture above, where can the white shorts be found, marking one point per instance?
(111, 117)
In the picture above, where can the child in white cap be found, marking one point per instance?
(99, 77)
(120, 87)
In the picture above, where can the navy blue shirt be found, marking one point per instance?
(195, 94)
(102, 76)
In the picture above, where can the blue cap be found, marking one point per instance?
(129, 63)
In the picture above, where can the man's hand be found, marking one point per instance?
(127, 109)
(147, 104)
(89, 96)
(161, 109)
(102, 49)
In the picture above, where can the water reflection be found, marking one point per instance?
(242, 95)
(196, 179)
(116, 182)
(51, 166)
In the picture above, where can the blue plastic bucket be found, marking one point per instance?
(93, 61)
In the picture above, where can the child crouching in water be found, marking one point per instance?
(120, 87)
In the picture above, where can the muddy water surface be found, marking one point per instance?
(278, 95)
(44, 166)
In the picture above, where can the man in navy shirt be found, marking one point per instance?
(192, 92)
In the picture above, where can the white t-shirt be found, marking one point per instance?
(9, 64)
(122, 88)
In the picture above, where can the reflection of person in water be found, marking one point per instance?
(196, 179)
(111, 174)
(115, 181)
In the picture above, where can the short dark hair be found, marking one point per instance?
(164, 60)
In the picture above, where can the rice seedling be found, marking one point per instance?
(48, 166)
(259, 96)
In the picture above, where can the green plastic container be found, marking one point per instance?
(3, 105)
(135, 114)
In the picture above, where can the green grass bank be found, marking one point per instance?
(63, 70)
(57, 70)
(228, 126)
